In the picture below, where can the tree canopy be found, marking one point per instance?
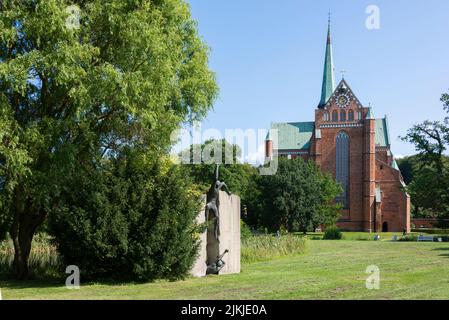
(77, 91)
(299, 197)
(427, 173)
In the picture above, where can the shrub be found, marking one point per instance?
(267, 247)
(245, 231)
(332, 233)
(431, 231)
(137, 223)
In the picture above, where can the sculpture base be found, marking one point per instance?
(229, 238)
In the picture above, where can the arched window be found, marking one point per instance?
(335, 116)
(351, 115)
(326, 116)
(342, 167)
(359, 115)
(343, 116)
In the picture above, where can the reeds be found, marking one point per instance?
(267, 247)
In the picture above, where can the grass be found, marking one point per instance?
(44, 259)
(328, 270)
(267, 247)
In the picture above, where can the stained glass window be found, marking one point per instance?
(342, 167)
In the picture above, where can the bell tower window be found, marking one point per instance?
(335, 116)
(351, 115)
(343, 116)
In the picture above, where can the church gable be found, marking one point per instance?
(343, 96)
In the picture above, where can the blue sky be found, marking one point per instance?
(268, 57)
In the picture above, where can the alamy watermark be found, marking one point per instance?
(373, 280)
(73, 280)
(372, 22)
(250, 141)
(73, 20)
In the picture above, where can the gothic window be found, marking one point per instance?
(342, 167)
(326, 116)
(359, 115)
(335, 116)
(343, 116)
(351, 115)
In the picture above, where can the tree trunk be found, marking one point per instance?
(22, 232)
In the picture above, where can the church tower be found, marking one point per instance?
(328, 86)
(348, 143)
(344, 146)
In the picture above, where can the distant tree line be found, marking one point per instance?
(299, 197)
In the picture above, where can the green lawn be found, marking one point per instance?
(328, 270)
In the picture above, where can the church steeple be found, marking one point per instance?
(328, 77)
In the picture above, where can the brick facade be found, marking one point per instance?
(376, 198)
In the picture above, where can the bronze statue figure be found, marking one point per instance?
(215, 267)
(213, 202)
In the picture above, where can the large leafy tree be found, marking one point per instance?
(73, 95)
(420, 179)
(299, 197)
(430, 181)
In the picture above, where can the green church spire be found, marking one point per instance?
(328, 77)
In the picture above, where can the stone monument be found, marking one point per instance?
(220, 242)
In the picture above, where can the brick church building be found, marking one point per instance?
(347, 141)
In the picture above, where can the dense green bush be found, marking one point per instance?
(266, 247)
(245, 231)
(332, 233)
(136, 223)
(431, 231)
(414, 238)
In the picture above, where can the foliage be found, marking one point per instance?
(429, 176)
(44, 258)
(238, 176)
(432, 231)
(73, 97)
(133, 224)
(332, 233)
(407, 165)
(298, 197)
(268, 247)
(245, 231)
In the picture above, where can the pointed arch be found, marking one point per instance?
(342, 167)
(335, 116)
(351, 115)
(343, 115)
